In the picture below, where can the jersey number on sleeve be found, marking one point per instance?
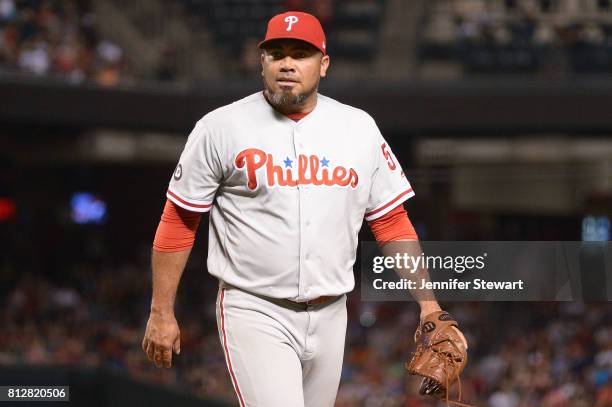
(388, 156)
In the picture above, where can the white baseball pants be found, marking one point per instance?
(279, 355)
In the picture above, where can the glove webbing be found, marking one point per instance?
(451, 361)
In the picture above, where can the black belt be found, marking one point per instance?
(324, 299)
(287, 303)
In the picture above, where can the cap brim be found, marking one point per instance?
(263, 43)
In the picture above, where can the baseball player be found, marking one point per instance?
(288, 175)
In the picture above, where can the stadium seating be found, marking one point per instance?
(508, 36)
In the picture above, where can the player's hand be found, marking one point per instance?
(162, 336)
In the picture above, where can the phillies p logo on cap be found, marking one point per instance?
(290, 20)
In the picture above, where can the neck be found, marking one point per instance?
(304, 108)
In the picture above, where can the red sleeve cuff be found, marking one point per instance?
(392, 226)
(177, 229)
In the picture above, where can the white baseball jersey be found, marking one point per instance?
(287, 199)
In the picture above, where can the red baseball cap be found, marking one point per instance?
(296, 25)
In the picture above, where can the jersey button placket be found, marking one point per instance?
(298, 146)
(302, 285)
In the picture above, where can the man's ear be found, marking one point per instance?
(324, 65)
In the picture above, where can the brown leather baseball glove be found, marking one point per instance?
(440, 356)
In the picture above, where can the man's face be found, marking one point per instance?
(291, 71)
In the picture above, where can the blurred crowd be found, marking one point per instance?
(521, 355)
(64, 39)
(93, 313)
(530, 42)
(59, 39)
(523, 36)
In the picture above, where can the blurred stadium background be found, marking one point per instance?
(499, 110)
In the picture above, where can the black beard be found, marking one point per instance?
(285, 100)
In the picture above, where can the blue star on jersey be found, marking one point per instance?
(289, 162)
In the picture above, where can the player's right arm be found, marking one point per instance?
(162, 335)
(190, 193)
(171, 248)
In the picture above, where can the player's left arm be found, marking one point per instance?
(389, 221)
(397, 238)
(387, 218)
(396, 235)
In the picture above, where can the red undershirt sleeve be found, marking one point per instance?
(177, 229)
(394, 225)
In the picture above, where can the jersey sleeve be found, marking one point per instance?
(390, 187)
(198, 173)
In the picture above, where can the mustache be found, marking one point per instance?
(287, 78)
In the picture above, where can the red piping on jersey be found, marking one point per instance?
(388, 203)
(175, 196)
(229, 361)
